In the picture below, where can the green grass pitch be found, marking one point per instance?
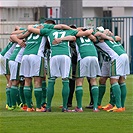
(59, 122)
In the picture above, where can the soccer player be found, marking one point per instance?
(88, 66)
(119, 69)
(32, 66)
(90, 106)
(14, 66)
(4, 68)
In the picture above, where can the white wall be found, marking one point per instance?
(91, 12)
(55, 3)
(29, 3)
(109, 3)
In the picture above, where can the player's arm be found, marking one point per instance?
(92, 37)
(80, 28)
(14, 38)
(62, 26)
(33, 29)
(102, 36)
(23, 35)
(66, 38)
(17, 31)
(117, 38)
(84, 33)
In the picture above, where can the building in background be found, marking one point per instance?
(33, 10)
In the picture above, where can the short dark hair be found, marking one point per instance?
(73, 26)
(49, 21)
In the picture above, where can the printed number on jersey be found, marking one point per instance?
(83, 40)
(59, 34)
(33, 36)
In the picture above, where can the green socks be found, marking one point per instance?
(65, 92)
(50, 92)
(79, 94)
(38, 96)
(14, 94)
(102, 89)
(123, 93)
(117, 93)
(95, 91)
(21, 92)
(44, 91)
(8, 97)
(28, 95)
(112, 97)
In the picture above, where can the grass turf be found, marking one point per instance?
(59, 122)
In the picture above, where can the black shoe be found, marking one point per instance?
(69, 105)
(47, 110)
(90, 106)
(66, 110)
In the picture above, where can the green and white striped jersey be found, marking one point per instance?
(35, 45)
(112, 49)
(86, 47)
(63, 47)
(8, 50)
(17, 54)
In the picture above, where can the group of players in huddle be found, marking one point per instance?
(69, 52)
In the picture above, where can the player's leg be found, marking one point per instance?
(4, 70)
(25, 71)
(90, 106)
(79, 94)
(102, 89)
(44, 91)
(123, 91)
(14, 77)
(28, 93)
(37, 71)
(8, 89)
(50, 93)
(21, 92)
(44, 85)
(93, 71)
(72, 88)
(72, 82)
(65, 67)
(118, 68)
(95, 93)
(65, 93)
(52, 71)
(116, 90)
(125, 71)
(38, 93)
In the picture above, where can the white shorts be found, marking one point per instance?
(4, 68)
(120, 66)
(14, 70)
(60, 66)
(88, 67)
(32, 66)
(105, 69)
